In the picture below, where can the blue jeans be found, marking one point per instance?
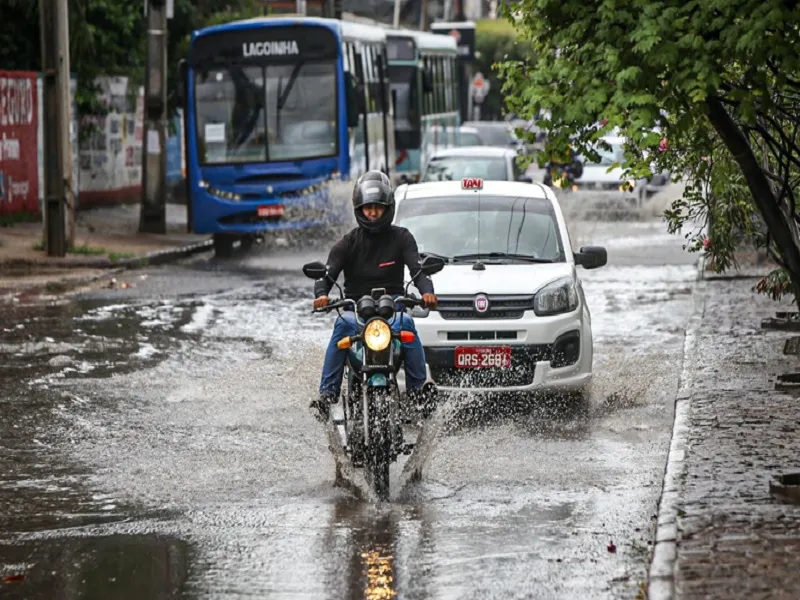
(333, 369)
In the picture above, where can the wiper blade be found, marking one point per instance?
(490, 255)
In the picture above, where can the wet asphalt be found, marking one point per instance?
(155, 442)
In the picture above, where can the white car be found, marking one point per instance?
(512, 314)
(597, 178)
(490, 163)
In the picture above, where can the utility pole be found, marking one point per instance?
(152, 217)
(396, 17)
(301, 7)
(423, 16)
(58, 205)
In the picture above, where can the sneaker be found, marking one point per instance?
(322, 406)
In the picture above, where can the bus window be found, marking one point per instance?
(301, 110)
(230, 115)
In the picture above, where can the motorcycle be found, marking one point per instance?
(371, 404)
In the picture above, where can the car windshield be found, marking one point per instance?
(276, 112)
(607, 157)
(452, 168)
(455, 226)
(469, 138)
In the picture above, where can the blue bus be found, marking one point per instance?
(277, 110)
(424, 83)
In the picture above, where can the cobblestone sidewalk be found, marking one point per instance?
(732, 539)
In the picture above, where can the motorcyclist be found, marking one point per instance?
(374, 255)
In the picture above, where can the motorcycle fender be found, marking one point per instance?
(378, 380)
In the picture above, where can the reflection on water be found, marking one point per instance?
(372, 549)
(122, 567)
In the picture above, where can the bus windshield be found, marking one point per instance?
(271, 112)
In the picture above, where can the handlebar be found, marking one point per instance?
(335, 305)
(405, 300)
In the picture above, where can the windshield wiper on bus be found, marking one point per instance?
(292, 78)
(501, 255)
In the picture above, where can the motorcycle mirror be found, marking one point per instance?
(432, 264)
(315, 270)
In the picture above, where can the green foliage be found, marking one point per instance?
(704, 74)
(108, 37)
(495, 42)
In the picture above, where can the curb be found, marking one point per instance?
(161, 257)
(661, 576)
(152, 258)
(110, 269)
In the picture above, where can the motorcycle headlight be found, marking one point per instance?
(377, 335)
(556, 298)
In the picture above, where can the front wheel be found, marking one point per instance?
(379, 449)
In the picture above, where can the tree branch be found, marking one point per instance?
(760, 188)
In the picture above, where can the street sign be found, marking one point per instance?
(479, 87)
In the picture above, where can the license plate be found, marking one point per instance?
(483, 357)
(273, 210)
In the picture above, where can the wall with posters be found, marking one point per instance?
(110, 151)
(19, 115)
(106, 163)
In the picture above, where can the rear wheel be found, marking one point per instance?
(379, 450)
(247, 242)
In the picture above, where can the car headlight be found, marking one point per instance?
(556, 298)
(377, 335)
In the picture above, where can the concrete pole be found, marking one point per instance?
(396, 17)
(152, 217)
(301, 7)
(423, 16)
(58, 205)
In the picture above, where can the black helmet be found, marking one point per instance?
(373, 187)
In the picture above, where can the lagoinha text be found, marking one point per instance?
(269, 48)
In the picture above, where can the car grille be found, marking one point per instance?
(462, 336)
(500, 307)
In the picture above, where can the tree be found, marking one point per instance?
(495, 41)
(108, 37)
(717, 78)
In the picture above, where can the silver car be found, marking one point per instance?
(605, 183)
(489, 163)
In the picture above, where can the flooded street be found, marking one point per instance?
(155, 442)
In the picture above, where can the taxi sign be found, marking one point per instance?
(472, 183)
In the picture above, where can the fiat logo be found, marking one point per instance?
(481, 304)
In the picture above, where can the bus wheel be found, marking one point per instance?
(223, 245)
(247, 243)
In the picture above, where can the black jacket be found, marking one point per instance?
(374, 261)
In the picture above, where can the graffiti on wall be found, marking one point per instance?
(19, 118)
